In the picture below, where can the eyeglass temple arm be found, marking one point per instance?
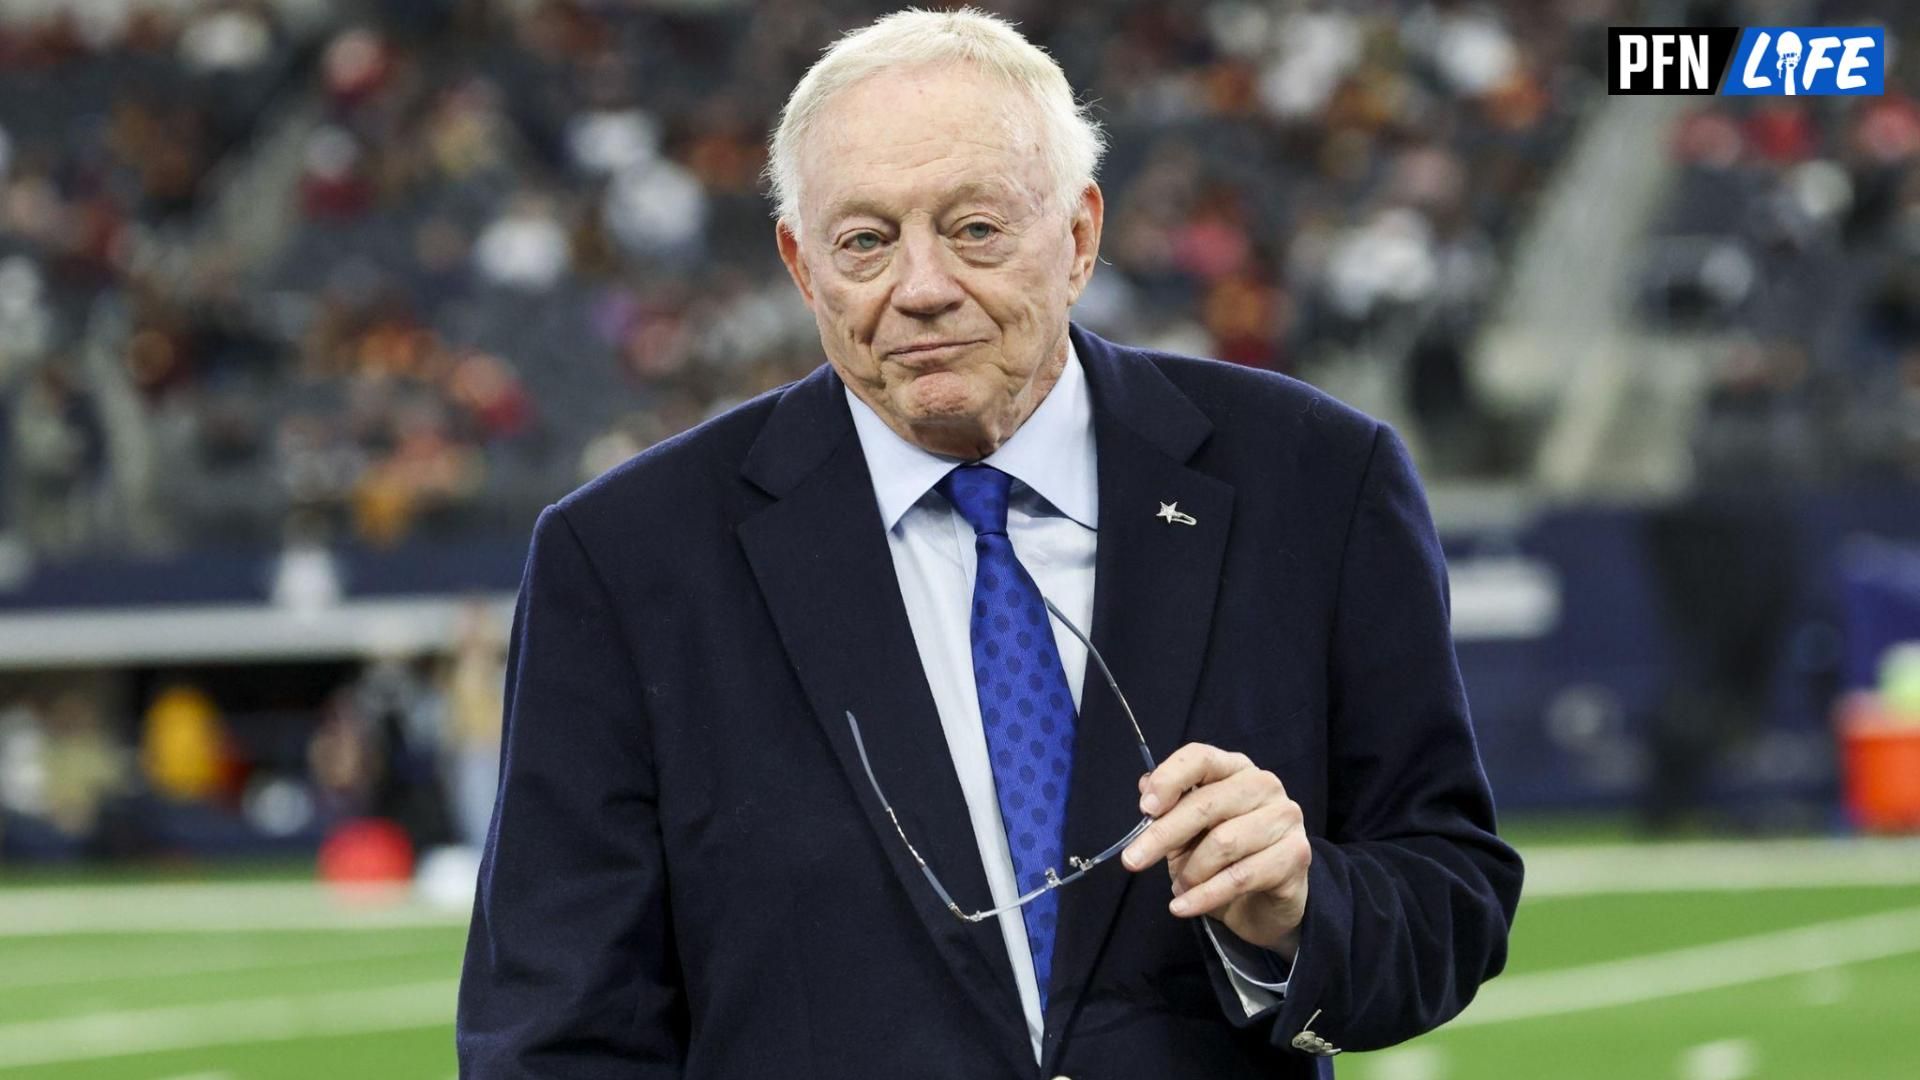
(860, 745)
(1112, 684)
(1146, 758)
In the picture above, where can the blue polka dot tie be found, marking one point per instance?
(1024, 701)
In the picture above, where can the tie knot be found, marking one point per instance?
(979, 492)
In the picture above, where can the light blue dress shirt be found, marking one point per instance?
(1052, 516)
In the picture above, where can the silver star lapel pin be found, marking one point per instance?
(1171, 511)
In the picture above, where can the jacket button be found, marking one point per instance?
(1314, 1044)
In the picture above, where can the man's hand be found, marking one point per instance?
(1234, 843)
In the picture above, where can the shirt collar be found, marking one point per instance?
(1051, 453)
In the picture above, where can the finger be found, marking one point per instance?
(1177, 859)
(1231, 841)
(1279, 869)
(1186, 768)
(1196, 812)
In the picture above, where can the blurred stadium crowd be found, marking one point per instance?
(224, 763)
(1799, 227)
(366, 271)
(294, 271)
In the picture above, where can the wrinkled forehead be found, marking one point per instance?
(918, 139)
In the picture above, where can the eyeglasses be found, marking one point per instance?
(1053, 879)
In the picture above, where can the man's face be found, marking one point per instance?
(938, 264)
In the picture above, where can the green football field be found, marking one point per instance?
(1702, 961)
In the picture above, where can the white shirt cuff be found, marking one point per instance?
(1256, 995)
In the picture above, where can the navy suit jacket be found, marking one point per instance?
(688, 874)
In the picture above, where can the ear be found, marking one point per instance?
(1088, 218)
(789, 246)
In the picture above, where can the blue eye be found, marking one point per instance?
(864, 241)
(979, 230)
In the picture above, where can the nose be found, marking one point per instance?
(926, 285)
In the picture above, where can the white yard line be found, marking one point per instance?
(1732, 866)
(173, 959)
(33, 911)
(1637, 979)
(227, 1023)
(1552, 871)
(430, 1004)
(28, 912)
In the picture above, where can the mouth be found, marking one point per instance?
(929, 353)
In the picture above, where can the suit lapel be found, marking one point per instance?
(1154, 589)
(820, 556)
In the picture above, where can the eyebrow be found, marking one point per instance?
(971, 190)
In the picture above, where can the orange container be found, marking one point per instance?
(1880, 755)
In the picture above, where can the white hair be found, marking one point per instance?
(1069, 139)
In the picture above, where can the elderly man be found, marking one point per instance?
(848, 733)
